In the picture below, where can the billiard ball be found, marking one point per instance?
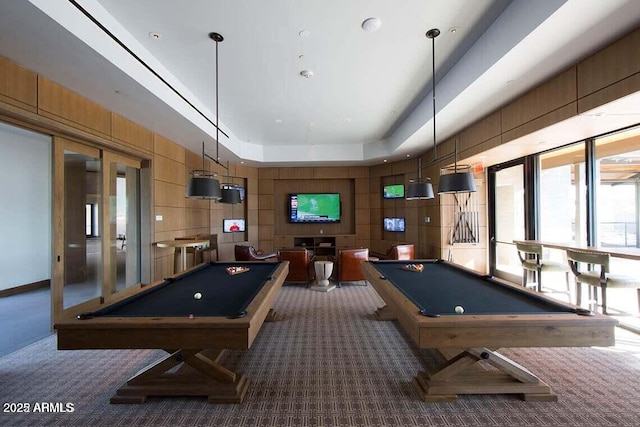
(459, 309)
(197, 295)
(191, 316)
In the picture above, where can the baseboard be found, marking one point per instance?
(25, 288)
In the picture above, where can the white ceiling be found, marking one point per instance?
(370, 97)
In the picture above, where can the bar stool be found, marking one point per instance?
(598, 279)
(531, 258)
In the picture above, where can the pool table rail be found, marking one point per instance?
(493, 330)
(173, 332)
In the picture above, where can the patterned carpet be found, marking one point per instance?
(327, 363)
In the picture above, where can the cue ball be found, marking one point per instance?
(459, 309)
(197, 295)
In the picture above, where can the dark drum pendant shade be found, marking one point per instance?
(203, 186)
(419, 190)
(456, 182)
(230, 196)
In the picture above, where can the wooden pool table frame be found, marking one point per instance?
(468, 342)
(195, 344)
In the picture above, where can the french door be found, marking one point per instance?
(97, 226)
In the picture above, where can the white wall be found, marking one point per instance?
(25, 207)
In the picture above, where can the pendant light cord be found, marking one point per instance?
(217, 109)
(433, 34)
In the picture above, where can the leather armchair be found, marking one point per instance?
(248, 253)
(300, 264)
(404, 251)
(349, 265)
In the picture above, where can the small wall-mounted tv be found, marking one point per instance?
(314, 207)
(394, 224)
(395, 191)
(233, 225)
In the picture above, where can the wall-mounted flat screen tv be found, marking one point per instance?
(394, 224)
(395, 191)
(233, 225)
(314, 207)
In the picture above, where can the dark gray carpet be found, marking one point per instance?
(328, 363)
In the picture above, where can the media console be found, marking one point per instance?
(320, 245)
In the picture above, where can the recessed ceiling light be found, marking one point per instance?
(408, 155)
(510, 82)
(278, 121)
(453, 30)
(371, 24)
(384, 161)
(304, 33)
(155, 36)
(306, 73)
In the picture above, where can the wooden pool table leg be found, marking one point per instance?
(385, 313)
(462, 374)
(272, 316)
(200, 374)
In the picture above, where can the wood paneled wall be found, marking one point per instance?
(275, 184)
(34, 101)
(609, 74)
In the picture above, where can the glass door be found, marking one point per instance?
(97, 220)
(122, 185)
(78, 252)
(507, 199)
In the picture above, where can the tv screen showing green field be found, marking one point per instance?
(322, 207)
(393, 191)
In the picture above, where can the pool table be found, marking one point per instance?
(194, 329)
(494, 314)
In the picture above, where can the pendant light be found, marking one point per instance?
(230, 191)
(452, 180)
(455, 179)
(203, 184)
(421, 188)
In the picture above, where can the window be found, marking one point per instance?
(562, 202)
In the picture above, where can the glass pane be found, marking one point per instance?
(509, 211)
(507, 260)
(618, 165)
(83, 244)
(618, 208)
(125, 225)
(562, 209)
(510, 204)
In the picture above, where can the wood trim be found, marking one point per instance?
(130, 132)
(68, 107)
(18, 85)
(610, 93)
(612, 64)
(542, 100)
(57, 273)
(25, 288)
